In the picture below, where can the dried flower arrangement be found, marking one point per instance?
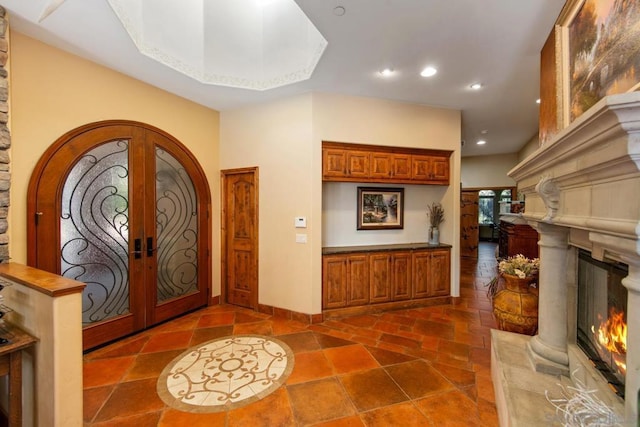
(519, 265)
(435, 212)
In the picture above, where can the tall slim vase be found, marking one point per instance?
(434, 236)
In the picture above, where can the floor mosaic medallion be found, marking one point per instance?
(225, 373)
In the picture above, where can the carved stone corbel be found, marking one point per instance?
(550, 195)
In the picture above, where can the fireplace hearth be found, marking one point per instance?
(581, 192)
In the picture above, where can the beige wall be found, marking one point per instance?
(53, 92)
(277, 139)
(488, 171)
(529, 147)
(284, 139)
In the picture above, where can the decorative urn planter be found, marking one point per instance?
(516, 307)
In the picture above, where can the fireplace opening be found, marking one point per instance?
(602, 322)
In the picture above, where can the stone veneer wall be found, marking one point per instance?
(5, 140)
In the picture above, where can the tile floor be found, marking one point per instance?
(418, 367)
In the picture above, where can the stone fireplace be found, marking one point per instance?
(582, 192)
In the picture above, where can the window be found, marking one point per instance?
(485, 207)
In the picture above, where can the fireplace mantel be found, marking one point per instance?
(588, 177)
(582, 190)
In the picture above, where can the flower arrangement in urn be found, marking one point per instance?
(435, 212)
(516, 307)
(519, 265)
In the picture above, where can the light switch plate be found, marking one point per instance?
(300, 222)
(301, 238)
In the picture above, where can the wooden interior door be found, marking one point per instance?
(122, 207)
(240, 239)
(469, 237)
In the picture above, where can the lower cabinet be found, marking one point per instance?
(356, 279)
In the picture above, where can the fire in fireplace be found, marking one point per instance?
(602, 324)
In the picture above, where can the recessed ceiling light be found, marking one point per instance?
(339, 10)
(538, 101)
(484, 131)
(428, 72)
(481, 142)
(387, 72)
(476, 86)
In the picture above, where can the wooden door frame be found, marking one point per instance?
(223, 231)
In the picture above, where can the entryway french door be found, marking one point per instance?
(123, 207)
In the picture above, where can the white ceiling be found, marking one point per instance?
(495, 42)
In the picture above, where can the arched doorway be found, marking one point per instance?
(123, 207)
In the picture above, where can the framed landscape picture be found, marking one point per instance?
(380, 208)
(601, 45)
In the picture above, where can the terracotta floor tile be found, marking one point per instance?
(105, 371)
(485, 388)
(372, 389)
(173, 418)
(457, 350)
(216, 319)
(93, 399)
(273, 410)
(259, 328)
(403, 414)
(127, 348)
(362, 321)
(143, 420)
(310, 366)
(328, 341)
(386, 357)
(459, 377)
(434, 329)
(399, 340)
(282, 326)
(168, 341)
(450, 409)
(387, 326)
(301, 341)
(245, 317)
(418, 378)
(308, 408)
(350, 358)
(395, 318)
(488, 413)
(150, 365)
(131, 398)
(203, 335)
(353, 421)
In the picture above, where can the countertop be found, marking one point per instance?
(331, 250)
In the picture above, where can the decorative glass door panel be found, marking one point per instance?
(94, 230)
(176, 229)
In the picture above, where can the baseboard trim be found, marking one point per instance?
(290, 314)
(337, 313)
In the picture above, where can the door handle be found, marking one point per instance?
(137, 248)
(150, 248)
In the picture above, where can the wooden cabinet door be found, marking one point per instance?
(334, 281)
(469, 238)
(334, 162)
(420, 264)
(380, 165)
(358, 280)
(358, 164)
(380, 276)
(430, 169)
(401, 276)
(440, 169)
(421, 168)
(401, 166)
(439, 276)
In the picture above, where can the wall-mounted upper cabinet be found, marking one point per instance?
(380, 164)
